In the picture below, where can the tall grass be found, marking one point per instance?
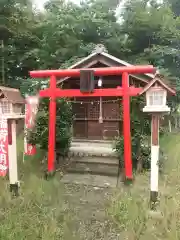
(42, 211)
(39, 212)
(130, 208)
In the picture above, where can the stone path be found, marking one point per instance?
(89, 218)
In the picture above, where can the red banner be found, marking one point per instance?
(31, 108)
(3, 147)
(29, 149)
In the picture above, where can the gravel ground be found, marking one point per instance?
(88, 207)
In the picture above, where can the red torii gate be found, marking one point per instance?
(125, 91)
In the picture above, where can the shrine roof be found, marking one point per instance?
(161, 81)
(12, 94)
(101, 56)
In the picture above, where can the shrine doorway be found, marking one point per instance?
(96, 119)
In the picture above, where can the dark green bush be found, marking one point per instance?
(140, 134)
(140, 138)
(140, 152)
(64, 118)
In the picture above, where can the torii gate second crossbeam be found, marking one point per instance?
(125, 91)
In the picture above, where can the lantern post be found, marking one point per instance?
(12, 152)
(156, 105)
(10, 112)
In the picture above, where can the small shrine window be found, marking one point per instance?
(17, 108)
(5, 107)
(94, 109)
(111, 111)
(156, 98)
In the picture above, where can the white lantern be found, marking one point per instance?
(156, 98)
(100, 82)
(156, 95)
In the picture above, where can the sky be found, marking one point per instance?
(40, 3)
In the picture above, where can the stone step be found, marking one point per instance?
(91, 153)
(93, 168)
(84, 149)
(76, 140)
(96, 181)
(97, 160)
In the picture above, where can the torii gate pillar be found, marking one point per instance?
(52, 127)
(126, 126)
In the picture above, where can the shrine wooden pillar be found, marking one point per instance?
(126, 126)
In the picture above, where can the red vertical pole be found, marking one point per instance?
(126, 126)
(9, 132)
(52, 126)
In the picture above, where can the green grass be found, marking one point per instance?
(130, 207)
(39, 212)
(46, 210)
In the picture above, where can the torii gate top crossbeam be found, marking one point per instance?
(107, 71)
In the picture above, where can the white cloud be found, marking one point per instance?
(39, 3)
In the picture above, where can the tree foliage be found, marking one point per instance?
(175, 6)
(141, 31)
(153, 36)
(64, 117)
(140, 132)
